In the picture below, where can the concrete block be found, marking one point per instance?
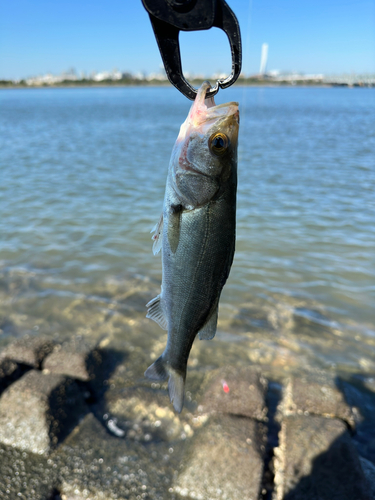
(25, 476)
(317, 397)
(78, 358)
(369, 471)
(39, 409)
(224, 460)
(316, 460)
(237, 391)
(9, 373)
(28, 350)
(95, 465)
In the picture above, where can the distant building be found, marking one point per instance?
(263, 59)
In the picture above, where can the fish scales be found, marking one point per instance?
(197, 235)
(197, 272)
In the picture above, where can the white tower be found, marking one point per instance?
(263, 59)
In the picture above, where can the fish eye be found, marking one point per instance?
(218, 143)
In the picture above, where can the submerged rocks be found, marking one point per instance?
(144, 414)
(39, 409)
(9, 372)
(28, 350)
(77, 358)
(25, 475)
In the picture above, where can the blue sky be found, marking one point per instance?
(310, 36)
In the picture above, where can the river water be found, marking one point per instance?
(82, 177)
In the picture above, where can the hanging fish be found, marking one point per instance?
(196, 233)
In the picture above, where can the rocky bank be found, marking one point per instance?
(78, 421)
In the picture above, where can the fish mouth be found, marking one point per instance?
(204, 112)
(206, 109)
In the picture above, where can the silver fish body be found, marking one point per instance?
(197, 235)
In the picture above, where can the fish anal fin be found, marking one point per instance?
(157, 370)
(209, 330)
(157, 237)
(156, 312)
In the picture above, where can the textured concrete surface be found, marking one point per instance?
(369, 471)
(89, 426)
(9, 372)
(145, 414)
(25, 476)
(316, 397)
(224, 460)
(92, 464)
(235, 391)
(316, 459)
(37, 410)
(28, 350)
(77, 358)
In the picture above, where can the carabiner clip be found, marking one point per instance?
(169, 17)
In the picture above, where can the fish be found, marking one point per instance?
(196, 233)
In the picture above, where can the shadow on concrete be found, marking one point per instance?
(359, 392)
(337, 473)
(273, 398)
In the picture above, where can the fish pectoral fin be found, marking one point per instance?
(209, 330)
(157, 237)
(174, 226)
(156, 312)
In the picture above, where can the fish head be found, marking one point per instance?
(205, 153)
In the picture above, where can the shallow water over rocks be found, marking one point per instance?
(82, 182)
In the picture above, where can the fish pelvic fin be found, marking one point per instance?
(209, 329)
(156, 312)
(160, 370)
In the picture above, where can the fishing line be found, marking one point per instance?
(246, 53)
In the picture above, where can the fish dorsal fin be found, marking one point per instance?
(209, 329)
(156, 312)
(157, 236)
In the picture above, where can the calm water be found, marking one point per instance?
(82, 176)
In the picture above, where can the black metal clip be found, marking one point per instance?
(169, 17)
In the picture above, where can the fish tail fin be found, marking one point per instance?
(176, 388)
(176, 384)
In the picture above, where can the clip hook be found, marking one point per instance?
(169, 17)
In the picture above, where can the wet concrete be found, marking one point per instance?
(77, 358)
(38, 410)
(236, 391)
(28, 350)
(319, 395)
(82, 422)
(224, 460)
(316, 459)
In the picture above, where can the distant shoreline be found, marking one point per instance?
(196, 82)
(167, 84)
